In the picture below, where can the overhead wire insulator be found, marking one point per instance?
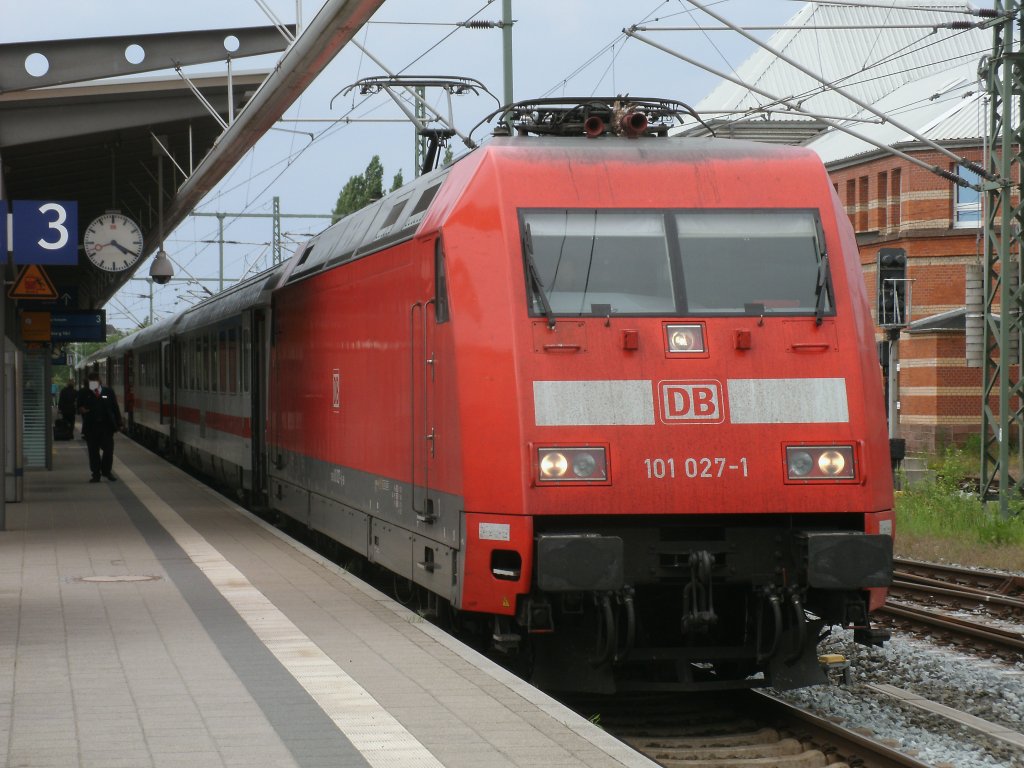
(479, 24)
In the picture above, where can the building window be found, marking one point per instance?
(851, 201)
(966, 201)
(862, 204)
(895, 198)
(883, 201)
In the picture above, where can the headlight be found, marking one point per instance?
(684, 338)
(800, 463)
(553, 465)
(820, 462)
(831, 463)
(583, 465)
(572, 465)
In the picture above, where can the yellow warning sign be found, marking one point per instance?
(33, 283)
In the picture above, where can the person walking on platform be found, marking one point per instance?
(67, 404)
(101, 418)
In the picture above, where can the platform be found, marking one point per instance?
(151, 622)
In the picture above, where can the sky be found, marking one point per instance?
(560, 48)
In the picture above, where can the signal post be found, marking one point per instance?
(893, 308)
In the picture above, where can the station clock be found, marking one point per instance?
(112, 242)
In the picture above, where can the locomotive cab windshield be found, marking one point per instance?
(592, 263)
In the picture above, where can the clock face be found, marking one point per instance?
(113, 242)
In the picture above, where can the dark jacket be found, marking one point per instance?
(67, 404)
(100, 412)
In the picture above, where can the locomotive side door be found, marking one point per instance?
(423, 319)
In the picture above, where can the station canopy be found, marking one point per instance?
(95, 128)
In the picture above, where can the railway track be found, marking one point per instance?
(966, 579)
(924, 594)
(755, 728)
(738, 728)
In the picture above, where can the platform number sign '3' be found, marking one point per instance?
(43, 232)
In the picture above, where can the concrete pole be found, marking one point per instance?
(506, 39)
(220, 241)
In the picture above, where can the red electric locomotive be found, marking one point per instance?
(615, 394)
(620, 394)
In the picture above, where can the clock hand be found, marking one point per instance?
(121, 248)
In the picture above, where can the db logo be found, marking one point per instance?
(688, 401)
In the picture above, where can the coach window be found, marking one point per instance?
(205, 378)
(233, 360)
(246, 352)
(165, 353)
(215, 363)
(441, 309)
(221, 360)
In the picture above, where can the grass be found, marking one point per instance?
(948, 522)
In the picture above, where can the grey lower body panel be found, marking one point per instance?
(374, 516)
(345, 525)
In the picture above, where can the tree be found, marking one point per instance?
(397, 181)
(374, 176)
(361, 190)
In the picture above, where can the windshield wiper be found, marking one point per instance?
(538, 284)
(823, 289)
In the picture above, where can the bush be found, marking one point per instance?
(951, 509)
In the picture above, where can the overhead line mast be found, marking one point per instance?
(1002, 417)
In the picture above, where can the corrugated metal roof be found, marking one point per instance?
(948, 106)
(873, 60)
(760, 128)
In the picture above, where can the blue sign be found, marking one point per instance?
(78, 325)
(45, 232)
(4, 248)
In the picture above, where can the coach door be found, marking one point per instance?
(254, 372)
(423, 319)
(129, 389)
(167, 385)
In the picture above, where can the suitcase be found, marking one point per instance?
(62, 430)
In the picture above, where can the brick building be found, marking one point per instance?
(925, 79)
(895, 204)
